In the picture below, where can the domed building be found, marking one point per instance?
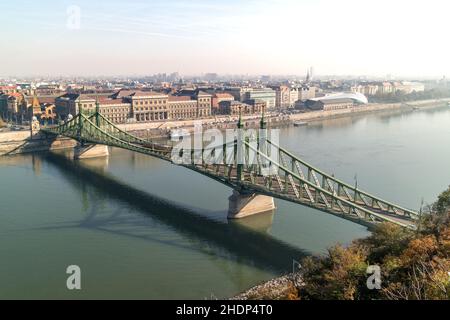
(358, 98)
(336, 101)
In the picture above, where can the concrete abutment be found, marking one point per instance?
(245, 205)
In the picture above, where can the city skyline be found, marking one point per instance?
(196, 37)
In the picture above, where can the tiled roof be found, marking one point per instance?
(123, 93)
(146, 94)
(111, 101)
(203, 93)
(223, 96)
(75, 96)
(179, 98)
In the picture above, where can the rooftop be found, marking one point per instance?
(336, 101)
(223, 96)
(179, 98)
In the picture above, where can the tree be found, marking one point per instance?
(414, 264)
(340, 276)
(442, 205)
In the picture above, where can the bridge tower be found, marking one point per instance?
(83, 151)
(243, 203)
(239, 146)
(97, 112)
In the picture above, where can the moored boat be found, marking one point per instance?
(300, 123)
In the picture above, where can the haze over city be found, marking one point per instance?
(209, 153)
(402, 38)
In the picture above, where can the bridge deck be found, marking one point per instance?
(294, 180)
(260, 186)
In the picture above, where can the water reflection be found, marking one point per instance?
(261, 222)
(244, 240)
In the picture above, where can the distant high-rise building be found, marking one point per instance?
(238, 93)
(309, 74)
(265, 94)
(211, 76)
(173, 77)
(266, 78)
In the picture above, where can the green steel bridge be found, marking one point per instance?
(294, 179)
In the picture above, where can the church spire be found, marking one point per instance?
(35, 102)
(35, 109)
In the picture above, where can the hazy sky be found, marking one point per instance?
(373, 37)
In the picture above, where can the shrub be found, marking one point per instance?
(414, 265)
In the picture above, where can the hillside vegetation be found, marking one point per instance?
(413, 264)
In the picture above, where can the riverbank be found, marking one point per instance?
(15, 142)
(280, 288)
(162, 128)
(402, 255)
(370, 108)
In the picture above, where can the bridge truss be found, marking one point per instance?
(241, 166)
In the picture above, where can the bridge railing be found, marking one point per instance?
(332, 184)
(108, 126)
(243, 166)
(300, 187)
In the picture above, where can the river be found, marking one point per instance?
(142, 228)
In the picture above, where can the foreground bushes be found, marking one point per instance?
(413, 264)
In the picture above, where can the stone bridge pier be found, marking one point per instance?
(243, 205)
(90, 151)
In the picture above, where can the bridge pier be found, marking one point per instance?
(244, 205)
(91, 151)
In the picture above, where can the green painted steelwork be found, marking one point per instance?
(239, 170)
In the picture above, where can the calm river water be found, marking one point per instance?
(142, 228)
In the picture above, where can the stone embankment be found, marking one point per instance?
(21, 141)
(281, 288)
(370, 108)
(162, 128)
(16, 142)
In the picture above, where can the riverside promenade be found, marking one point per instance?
(273, 118)
(14, 142)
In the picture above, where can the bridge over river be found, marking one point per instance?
(242, 168)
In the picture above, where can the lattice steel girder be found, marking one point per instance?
(345, 187)
(82, 127)
(328, 193)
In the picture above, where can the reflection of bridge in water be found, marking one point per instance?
(253, 247)
(241, 168)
